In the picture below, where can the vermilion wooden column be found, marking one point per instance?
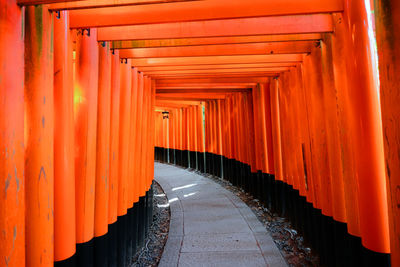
(388, 41)
(287, 133)
(370, 162)
(64, 166)
(158, 139)
(332, 127)
(219, 128)
(133, 152)
(12, 181)
(114, 154)
(124, 130)
(103, 155)
(268, 128)
(314, 94)
(240, 130)
(145, 138)
(207, 135)
(340, 42)
(177, 136)
(246, 131)
(373, 192)
(151, 137)
(298, 123)
(123, 157)
(114, 138)
(224, 129)
(39, 137)
(140, 134)
(263, 130)
(195, 141)
(276, 129)
(234, 128)
(229, 127)
(152, 123)
(188, 124)
(171, 142)
(200, 139)
(145, 133)
(148, 134)
(301, 115)
(251, 137)
(85, 106)
(284, 114)
(259, 141)
(214, 136)
(185, 137)
(165, 137)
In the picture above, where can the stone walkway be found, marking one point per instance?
(210, 226)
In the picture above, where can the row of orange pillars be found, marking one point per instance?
(76, 142)
(318, 144)
(316, 137)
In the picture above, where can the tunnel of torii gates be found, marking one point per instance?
(297, 102)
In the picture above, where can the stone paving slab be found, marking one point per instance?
(219, 242)
(210, 226)
(222, 259)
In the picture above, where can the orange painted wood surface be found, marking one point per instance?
(103, 142)
(199, 10)
(114, 138)
(64, 167)
(39, 137)
(12, 143)
(85, 112)
(388, 42)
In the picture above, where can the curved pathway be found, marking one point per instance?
(210, 226)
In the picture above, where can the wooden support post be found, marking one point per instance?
(114, 137)
(12, 145)
(102, 155)
(39, 144)
(64, 166)
(133, 152)
(368, 141)
(114, 159)
(388, 41)
(85, 101)
(124, 130)
(332, 130)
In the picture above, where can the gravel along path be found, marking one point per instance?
(151, 252)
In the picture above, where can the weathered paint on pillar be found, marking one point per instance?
(12, 196)
(64, 166)
(276, 133)
(103, 141)
(332, 127)
(346, 121)
(387, 23)
(39, 136)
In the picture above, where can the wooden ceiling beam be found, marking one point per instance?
(296, 24)
(197, 11)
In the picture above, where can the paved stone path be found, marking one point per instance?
(210, 226)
